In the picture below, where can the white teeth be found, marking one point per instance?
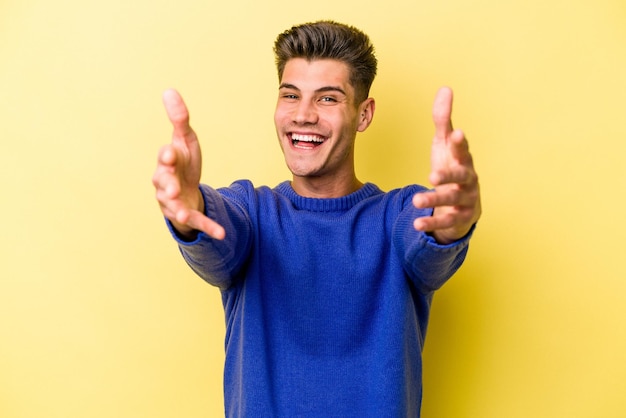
(307, 138)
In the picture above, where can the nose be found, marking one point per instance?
(305, 113)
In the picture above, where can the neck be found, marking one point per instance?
(325, 188)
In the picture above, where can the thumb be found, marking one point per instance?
(177, 113)
(442, 113)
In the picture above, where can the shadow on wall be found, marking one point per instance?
(457, 347)
(394, 152)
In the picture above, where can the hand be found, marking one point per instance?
(177, 176)
(456, 197)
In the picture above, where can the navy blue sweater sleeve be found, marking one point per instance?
(218, 261)
(427, 262)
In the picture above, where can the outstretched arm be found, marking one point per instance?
(456, 196)
(177, 176)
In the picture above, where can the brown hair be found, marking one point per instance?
(327, 39)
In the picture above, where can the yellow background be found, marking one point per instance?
(100, 317)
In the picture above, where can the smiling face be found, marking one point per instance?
(316, 121)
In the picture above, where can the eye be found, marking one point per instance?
(328, 99)
(288, 95)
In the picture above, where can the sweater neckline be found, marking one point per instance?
(335, 204)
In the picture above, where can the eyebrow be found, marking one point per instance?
(320, 90)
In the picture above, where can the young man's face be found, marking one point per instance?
(317, 118)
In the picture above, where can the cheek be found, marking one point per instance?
(280, 117)
(347, 124)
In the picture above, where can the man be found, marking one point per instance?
(326, 281)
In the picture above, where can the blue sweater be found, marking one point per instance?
(326, 300)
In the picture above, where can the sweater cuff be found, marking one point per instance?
(430, 240)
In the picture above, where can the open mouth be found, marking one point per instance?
(306, 141)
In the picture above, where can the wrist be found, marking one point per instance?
(446, 237)
(183, 231)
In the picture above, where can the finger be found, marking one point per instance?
(177, 113)
(458, 218)
(167, 156)
(165, 180)
(449, 196)
(461, 174)
(434, 199)
(442, 113)
(459, 147)
(201, 222)
(169, 207)
(459, 167)
(434, 223)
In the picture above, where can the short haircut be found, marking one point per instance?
(327, 39)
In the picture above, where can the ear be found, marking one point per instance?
(366, 114)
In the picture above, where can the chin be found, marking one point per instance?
(301, 168)
(300, 171)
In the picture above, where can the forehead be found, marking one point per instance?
(316, 74)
